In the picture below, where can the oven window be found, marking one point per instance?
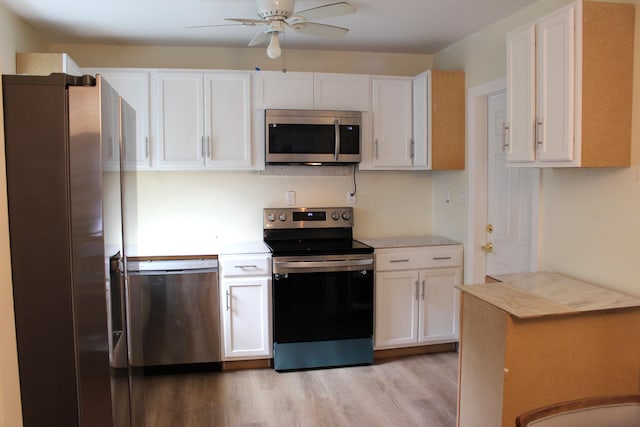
(322, 306)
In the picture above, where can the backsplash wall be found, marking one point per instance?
(179, 213)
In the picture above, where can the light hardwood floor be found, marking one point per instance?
(410, 391)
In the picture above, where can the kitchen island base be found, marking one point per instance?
(511, 364)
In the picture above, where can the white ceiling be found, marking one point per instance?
(407, 26)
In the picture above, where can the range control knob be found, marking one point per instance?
(282, 216)
(335, 215)
(271, 217)
(346, 215)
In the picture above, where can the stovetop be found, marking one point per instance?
(311, 231)
(317, 247)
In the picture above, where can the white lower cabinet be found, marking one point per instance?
(245, 306)
(416, 302)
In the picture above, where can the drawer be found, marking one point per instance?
(418, 257)
(245, 265)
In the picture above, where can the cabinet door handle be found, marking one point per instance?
(376, 148)
(209, 148)
(245, 266)
(336, 125)
(146, 147)
(202, 147)
(505, 136)
(441, 258)
(393, 261)
(228, 300)
(413, 149)
(423, 289)
(417, 289)
(539, 132)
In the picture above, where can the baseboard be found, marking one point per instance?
(413, 351)
(234, 365)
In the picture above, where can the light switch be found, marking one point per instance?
(291, 198)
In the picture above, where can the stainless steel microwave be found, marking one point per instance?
(312, 137)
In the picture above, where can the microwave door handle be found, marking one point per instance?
(336, 124)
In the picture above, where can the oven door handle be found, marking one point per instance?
(332, 265)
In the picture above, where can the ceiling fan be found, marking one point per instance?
(278, 14)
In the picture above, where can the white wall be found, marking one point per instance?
(186, 213)
(591, 218)
(14, 36)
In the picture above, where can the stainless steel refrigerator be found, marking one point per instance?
(62, 139)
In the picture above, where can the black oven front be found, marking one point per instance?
(322, 311)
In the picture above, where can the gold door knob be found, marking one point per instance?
(489, 228)
(488, 247)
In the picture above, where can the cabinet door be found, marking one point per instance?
(334, 91)
(439, 305)
(421, 95)
(521, 95)
(275, 89)
(392, 123)
(396, 308)
(245, 307)
(556, 87)
(227, 116)
(180, 120)
(134, 87)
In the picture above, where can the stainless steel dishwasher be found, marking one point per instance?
(173, 311)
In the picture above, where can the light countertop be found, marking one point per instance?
(529, 295)
(406, 242)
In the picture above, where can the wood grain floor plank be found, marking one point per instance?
(410, 391)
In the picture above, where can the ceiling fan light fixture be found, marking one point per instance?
(274, 50)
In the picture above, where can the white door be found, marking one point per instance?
(396, 308)
(227, 115)
(521, 95)
(556, 86)
(245, 313)
(392, 122)
(439, 299)
(180, 122)
(134, 87)
(510, 194)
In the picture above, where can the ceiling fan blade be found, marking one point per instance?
(313, 29)
(218, 25)
(259, 39)
(247, 21)
(328, 11)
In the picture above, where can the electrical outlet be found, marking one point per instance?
(351, 197)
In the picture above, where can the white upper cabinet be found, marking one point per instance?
(333, 91)
(134, 87)
(204, 120)
(415, 123)
(290, 90)
(392, 145)
(569, 83)
(228, 120)
(306, 91)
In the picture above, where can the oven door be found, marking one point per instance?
(322, 298)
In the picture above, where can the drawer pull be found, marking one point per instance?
(245, 266)
(398, 260)
(441, 258)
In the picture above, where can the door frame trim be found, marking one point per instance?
(475, 268)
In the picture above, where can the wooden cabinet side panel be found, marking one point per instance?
(447, 120)
(482, 354)
(607, 83)
(555, 359)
